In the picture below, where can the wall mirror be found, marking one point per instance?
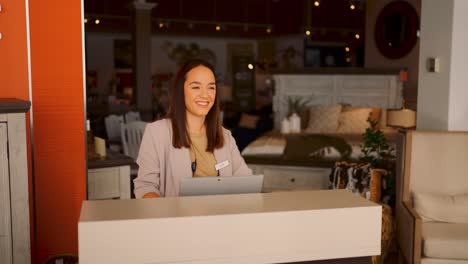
(396, 29)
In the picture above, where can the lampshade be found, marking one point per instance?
(405, 118)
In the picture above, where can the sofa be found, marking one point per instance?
(432, 212)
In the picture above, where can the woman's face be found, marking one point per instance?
(200, 91)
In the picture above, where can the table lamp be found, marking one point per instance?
(401, 118)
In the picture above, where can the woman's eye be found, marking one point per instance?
(195, 87)
(212, 87)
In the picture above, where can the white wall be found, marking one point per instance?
(458, 99)
(100, 54)
(435, 41)
(442, 96)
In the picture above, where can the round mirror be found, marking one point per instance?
(396, 29)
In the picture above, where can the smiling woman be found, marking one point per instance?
(190, 142)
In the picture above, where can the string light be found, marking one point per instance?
(218, 27)
(268, 30)
(357, 36)
(97, 21)
(161, 24)
(347, 49)
(352, 6)
(307, 32)
(316, 3)
(86, 20)
(250, 66)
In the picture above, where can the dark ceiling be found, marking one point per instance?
(333, 20)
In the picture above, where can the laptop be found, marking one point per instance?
(220, 185)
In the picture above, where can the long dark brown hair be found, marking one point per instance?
(177, 112)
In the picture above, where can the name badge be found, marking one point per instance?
(222, 165)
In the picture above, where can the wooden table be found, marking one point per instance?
(273, 227)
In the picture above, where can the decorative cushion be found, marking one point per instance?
(445, 240)
(354, 120)
(323, 119)
(248, 121)
(442, 208)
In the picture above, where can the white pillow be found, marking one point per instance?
(442, 208)
(323, 119)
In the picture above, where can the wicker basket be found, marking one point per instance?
(387, 234)
(376, 184)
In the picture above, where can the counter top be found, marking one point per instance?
(112, 159)
(273, 227)
(210, 205)
(13, 105)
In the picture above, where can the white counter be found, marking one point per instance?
(245, 228)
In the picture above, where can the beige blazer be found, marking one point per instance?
(161, 166)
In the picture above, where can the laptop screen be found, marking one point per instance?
(220, 185)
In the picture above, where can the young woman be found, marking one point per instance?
(190, 142)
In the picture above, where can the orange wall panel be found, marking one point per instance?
(58, 117)
(13, 50)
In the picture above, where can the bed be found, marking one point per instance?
(304, 160)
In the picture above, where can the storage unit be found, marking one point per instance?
(15, 244)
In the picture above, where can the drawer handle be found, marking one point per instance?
(292, 180)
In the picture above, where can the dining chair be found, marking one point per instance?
(131, 134)
(113, 123)
(132, 116)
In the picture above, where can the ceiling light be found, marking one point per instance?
(357, 36)
(347, 49)
(250, 66)
(97, 21)
(316, 3)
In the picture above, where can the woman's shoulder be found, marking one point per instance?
(160, 127)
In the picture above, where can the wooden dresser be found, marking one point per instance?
(15, 246)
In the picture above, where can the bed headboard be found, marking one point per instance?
(382, 91)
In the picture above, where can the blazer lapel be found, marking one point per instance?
(180, 165)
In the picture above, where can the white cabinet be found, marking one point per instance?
(292, 177)
(15, 247)
(109, 183)
(5, 216)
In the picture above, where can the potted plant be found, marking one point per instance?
(381, 158)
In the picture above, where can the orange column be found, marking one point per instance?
(58, 119)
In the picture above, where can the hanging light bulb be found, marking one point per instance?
(347, 49)
(250, 66)
(85, 20)
(307, 32)
(357, 36)
(352, 6)
(97, 21)
(218, 27)
(317, 3)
